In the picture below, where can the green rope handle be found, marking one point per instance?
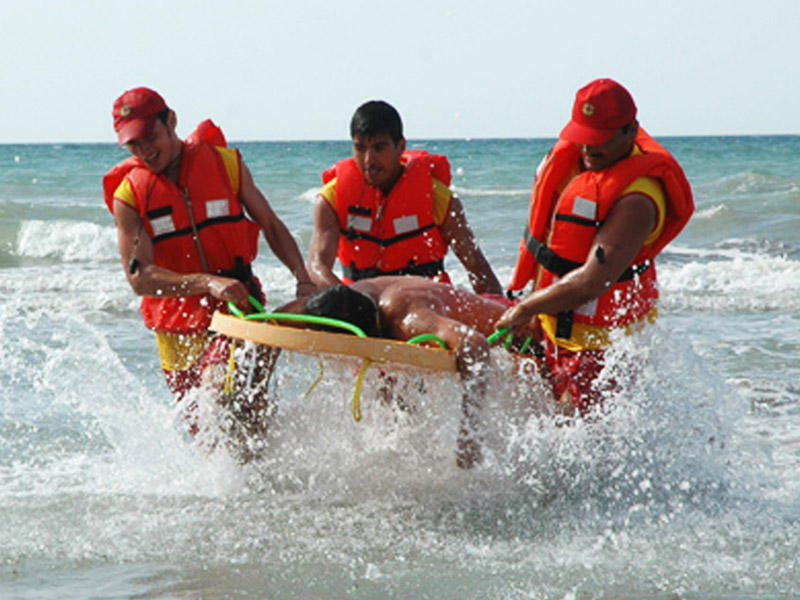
(235, 310)
(277, 316)
(498, 334)
(308, 319)
(509, 338)
(428, 337)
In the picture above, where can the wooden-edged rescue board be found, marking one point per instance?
(313, 342)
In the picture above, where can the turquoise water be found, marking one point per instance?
(689, 489)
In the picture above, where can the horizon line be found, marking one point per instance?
(434, 138)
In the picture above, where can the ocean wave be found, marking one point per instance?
(732, 281)
(711, 212)
(462, 191)
(74, 288)
(68, 241)
(748, 183)
(309, 195)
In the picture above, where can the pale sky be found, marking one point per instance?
(295, 69)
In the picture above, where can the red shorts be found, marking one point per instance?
(180, 382)
(504, 300)
(576, 373)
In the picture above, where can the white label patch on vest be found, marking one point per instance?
(405, 224)
(217, 208)
(584, 208)
(359, 222)
(162, 225)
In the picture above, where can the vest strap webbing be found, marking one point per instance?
(351, 234)
(244, 273)
(561, 266)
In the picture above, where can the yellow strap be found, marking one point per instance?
(319, 378)
(357, 392)
(229, 373)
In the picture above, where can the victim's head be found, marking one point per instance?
(345, 304)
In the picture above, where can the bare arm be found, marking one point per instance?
(324, 243)
(472, 358)
(629, 223)
(458, 235)
(147, 279)
(407, 318)
(278, 236)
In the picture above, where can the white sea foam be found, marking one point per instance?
(710, 212)
(732, 280)
(748, 183)
(69, 241)
(309, 195)
(590, 495)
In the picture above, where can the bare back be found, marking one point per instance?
(413, 305)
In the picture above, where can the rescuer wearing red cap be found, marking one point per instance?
(605, 202)
(188, 215)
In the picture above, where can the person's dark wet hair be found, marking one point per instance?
(374, 118)
(344, 303)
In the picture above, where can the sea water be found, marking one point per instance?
(688, 486)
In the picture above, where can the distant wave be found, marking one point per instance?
(490, 192)
(309, 195)
(710, 212)
(736, 248)
(68, 241)
(749, 182)
(732, 281)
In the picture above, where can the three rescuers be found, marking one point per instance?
(606, 200)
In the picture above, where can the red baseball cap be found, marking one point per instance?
(601, 108)
(135, 113)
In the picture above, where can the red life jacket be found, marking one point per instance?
(203, 201)
(392, 235)
(562, 227)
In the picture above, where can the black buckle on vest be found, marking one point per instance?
(564, 322)
(244, 273)
(359, 210)
(547, 258)
(561, 266)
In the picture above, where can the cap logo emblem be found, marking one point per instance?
(587, 109)
(125, 110)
